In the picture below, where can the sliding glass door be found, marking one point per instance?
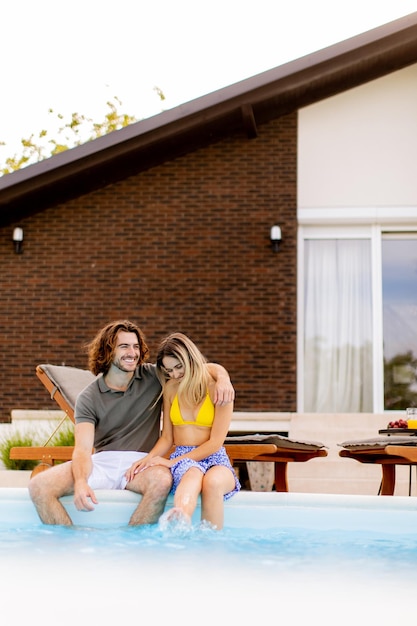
(359, 321)
(399, 292)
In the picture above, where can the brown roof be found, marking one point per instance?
(241, 107)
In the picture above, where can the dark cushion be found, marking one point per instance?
(376, 443)
(279, 440)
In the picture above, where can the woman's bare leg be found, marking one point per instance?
(217, 481)
(186, 496)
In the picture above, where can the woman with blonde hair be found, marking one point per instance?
(197, 428)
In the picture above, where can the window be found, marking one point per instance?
(399, 293)
(357, 349)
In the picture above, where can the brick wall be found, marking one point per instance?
(184, 246)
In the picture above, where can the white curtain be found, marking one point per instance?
(338, 326)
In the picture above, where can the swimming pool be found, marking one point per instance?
(296, 558)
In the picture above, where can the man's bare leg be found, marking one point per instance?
(46, 488)
(154, 484)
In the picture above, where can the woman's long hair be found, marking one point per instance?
(192, 387)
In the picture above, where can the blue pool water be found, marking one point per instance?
(285, 558)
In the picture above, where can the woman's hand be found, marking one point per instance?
(158, 460)
(143, 464)
(136, 467)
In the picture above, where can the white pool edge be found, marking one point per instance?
(247, 508)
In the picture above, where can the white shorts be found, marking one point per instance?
(109, 468)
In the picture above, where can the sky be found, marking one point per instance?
(76, 56)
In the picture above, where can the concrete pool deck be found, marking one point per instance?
(14, 478)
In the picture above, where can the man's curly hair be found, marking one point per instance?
(101, 349)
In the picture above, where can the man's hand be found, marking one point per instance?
(84, 497)
(223, 391)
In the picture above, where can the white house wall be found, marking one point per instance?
(359, 149)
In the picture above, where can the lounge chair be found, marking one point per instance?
(277, 449)
(64, 384)
(387, 451)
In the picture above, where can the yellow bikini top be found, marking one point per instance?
(205, 415)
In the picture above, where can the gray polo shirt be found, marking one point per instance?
(123, 420)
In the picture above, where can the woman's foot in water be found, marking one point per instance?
(175, 516)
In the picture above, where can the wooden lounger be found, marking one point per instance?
(275, 449)
(382, 451)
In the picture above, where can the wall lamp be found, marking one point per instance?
(275, 237)
(18, 240)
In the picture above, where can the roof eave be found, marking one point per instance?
(241, 107)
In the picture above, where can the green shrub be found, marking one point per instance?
(16, 440)
(64, 436)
